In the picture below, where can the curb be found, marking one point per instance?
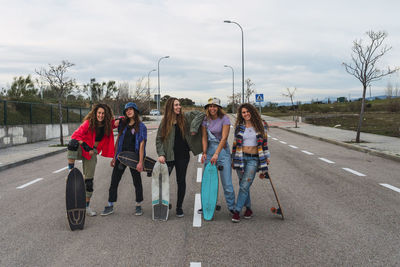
(21, 162)
(361, 149)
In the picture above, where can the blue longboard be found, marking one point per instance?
(209, 191)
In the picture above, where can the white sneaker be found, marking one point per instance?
(90, 212)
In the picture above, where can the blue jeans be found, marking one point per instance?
(246, 178)
(224, 159)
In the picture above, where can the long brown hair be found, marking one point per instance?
(220, 112)
(169, 117)
(125, 121)
(108, 116)
(255, 117)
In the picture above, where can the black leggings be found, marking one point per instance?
(181, 168)
(116, 178)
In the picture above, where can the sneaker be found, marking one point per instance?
(236, 217)
(138, 211)
(90, 212)
(248, 213)
(232, 212)
(200, 211)
(179, 213)
(107, 210)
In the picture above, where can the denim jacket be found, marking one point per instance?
(140, 136)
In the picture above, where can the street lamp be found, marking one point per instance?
(229, 21)
(148, 87)
(233, 88)
(158, 72)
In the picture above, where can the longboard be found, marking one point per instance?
(131, 159)
(209, 191)
(274, 210)
(160, 192)
(75, 199)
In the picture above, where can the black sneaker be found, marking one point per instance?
(107, 210)
(179, 213)
(138, 211)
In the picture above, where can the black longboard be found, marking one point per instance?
(131, 159)
(274, 210)
(75, 199)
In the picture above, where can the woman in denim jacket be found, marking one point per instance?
(250, 154)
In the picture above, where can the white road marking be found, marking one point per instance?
(199, 174)
(327, 160)
(196, 216)
(28, 184)
(295, 147)
(269, 135)
(60, 170)
(354, 172)
(282, 142)
(273, 138)
(195, 264)
(199, 160)
(391, 187)
(306, 152)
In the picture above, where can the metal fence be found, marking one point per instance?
(15, 113)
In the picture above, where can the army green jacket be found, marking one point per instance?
(193, 120)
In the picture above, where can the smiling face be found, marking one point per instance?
(246, 114)
(130, 113)
(177, 107)
(100, 114)
(213, 110)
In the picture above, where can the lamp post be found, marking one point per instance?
(148, 87)
(233, 87)
(229, 21)
(158, 72)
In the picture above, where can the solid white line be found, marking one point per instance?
(195, 264)
(31, 182)
(197, 206)
(326, 160)
(354, 172)
(295, 147)
(199, 174)
(273, 138)
(391, 187)
(199, 160)
(306, 152)
(60, 170)
(282, 142)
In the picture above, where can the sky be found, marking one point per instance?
(287, 44)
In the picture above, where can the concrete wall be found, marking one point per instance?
(30, 133)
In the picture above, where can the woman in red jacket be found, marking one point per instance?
(94, 136)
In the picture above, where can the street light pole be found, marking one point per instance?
(159, 95)
(241, 29)
(233, 87)
(148, 87)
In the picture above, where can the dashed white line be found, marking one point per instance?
(60, 170)
(269, 135)
(195, 264)
(354, 172)
(199, 174)
(306, 152)
(273, 138)
(327, 160)
(282, 142)
(199, 160)
(28, 184)
(295, 147)
(196, 216)
(391, 187)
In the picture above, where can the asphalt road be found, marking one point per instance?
(333, 216)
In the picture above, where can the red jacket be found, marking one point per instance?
(85, 134)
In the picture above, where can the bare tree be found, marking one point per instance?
(389, 90)
(56, 77)
(249, 90)
(290, 94)
(237, 97)
(363, 65)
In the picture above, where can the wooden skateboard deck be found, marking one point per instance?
(75, 199)
(278, 210)
(160, 192)
(131, 159)
(209, 191)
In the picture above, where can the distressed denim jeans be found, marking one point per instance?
(246, 178)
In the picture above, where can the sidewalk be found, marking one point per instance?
(384, 146)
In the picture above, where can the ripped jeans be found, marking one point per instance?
(246, 178)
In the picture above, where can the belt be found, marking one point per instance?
(250, 155)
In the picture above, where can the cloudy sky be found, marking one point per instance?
(287, 43)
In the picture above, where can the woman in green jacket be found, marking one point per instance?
(178, 134)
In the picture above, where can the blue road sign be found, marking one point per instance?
(259, 97)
